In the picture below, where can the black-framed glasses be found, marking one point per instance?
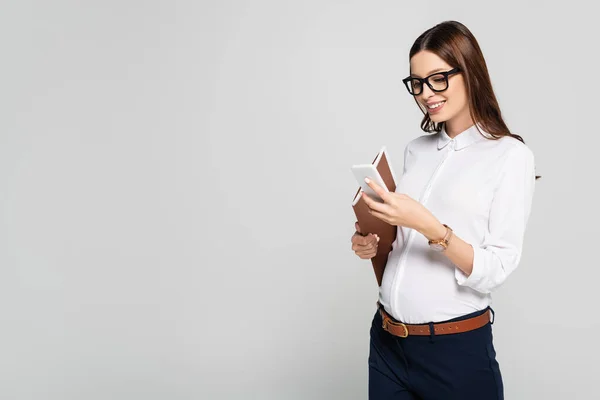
(437, 82)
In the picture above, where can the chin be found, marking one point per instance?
(437, 118)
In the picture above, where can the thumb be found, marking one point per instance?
(357, 227)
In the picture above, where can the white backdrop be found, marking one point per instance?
(175, 193)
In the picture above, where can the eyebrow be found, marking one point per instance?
(430, 72)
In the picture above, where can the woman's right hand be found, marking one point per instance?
(364, 246)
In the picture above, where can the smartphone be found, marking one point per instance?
(362, 171)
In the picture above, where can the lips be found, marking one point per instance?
(436, 109)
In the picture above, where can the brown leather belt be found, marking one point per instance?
(400, 329)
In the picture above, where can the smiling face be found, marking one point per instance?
(455, 105)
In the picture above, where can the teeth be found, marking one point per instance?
(436, 105)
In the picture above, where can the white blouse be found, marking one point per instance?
(483, 190)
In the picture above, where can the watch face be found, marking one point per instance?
(437, 246)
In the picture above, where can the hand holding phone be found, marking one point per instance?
(362, 171)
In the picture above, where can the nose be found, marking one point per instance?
(427, 92)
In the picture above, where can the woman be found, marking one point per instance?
(461, 208)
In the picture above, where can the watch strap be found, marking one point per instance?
(445, 240)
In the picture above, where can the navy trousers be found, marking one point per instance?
(456, 366)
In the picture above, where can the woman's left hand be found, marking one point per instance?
(397, 209)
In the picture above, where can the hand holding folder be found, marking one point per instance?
(371, 224)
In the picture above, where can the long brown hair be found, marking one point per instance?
(455, 44)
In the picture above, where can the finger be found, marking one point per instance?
(363, 248)
(357, 227)
(375, 205)
(367, 254)
(357, 238)
(369, 245)
(378, 189)
(380, 210)
(366, 239)
(372, 239)
(362, 251)
(369, 201)
(361, 243)
(384, 216)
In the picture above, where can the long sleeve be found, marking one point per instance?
(499, 253)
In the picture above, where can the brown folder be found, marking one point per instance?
(371, 224)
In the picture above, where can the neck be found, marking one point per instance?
(459, 123)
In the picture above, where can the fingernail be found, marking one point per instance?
(377, 239)
(367, 180)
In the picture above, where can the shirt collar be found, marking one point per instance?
(462, 140)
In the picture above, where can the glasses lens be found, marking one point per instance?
(439, 82)
(414, 86)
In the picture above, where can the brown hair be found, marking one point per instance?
(454, 43)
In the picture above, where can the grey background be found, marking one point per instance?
(175, 193)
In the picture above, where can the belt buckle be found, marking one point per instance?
(405, 330)
(386, 323)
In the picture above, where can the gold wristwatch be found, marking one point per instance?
(441, 244)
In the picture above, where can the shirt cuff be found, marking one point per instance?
(477, 273)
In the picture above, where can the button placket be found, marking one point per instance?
(424, 197)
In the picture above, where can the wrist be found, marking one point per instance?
(433, 230)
